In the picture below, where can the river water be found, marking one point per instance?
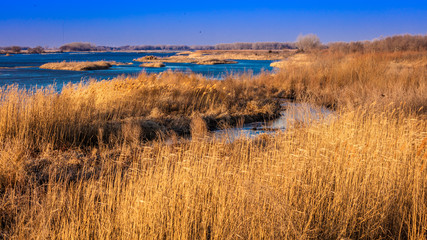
(293, 113)
(23, 69)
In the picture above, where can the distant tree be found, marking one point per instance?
(339, 47)
(13, 49)
(37, 50)
(254, 46)
(308, 42)
(388, 44)
(16, 49)
(77, 46)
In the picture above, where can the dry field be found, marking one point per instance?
(78, 164)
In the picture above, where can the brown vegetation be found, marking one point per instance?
(77, 114)
(77, 66)
(36, 50)
(398, 43)
(185, 53)
(350, 80)
(215, 62)
(76, 164)
(308, 42)
(219, 56)
(77, 46)
(248, 54)
(254, 46)
(361, 176)
(388, 44)
(146, 58)
(80, 46)
(153, 65)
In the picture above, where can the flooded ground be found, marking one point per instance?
(294, 113)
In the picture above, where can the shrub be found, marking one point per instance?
(37, 49)
(77, 46)
(308, 42)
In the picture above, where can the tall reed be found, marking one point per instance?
(73, 164)
(361, 176)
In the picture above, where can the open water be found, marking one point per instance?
(23, 69)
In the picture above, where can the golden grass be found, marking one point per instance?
(355, 80)
(219, 56)
(248, 54)
(215, 62)
(77, 66)
(153, 65)
(73, 164)
(298, 60)
(362, 176)
(156, 103)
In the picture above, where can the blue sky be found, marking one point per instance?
(117, 23)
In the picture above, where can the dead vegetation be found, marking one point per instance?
(219, 56)
(156, 103)
(77, 66)
(289, 185)
(215, 62)
(75, 165)
(153, 65)
(355, 80)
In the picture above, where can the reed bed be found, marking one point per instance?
(361, 176)
(65, 174)
(77, 66)
(163, 103)
(354, 80)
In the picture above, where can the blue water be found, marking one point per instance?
(23, 69)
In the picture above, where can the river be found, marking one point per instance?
(23, 69)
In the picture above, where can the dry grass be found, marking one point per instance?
(77, 66)
(153, 65)
(295, 61)
(74, 166)
(215, 62)
(248, 54)
(157, 103)
(354, 80)
(219, 56)
(362, 176)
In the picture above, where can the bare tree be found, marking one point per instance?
(308, 42)
(77, 46)
(13, 49)
(36, 50)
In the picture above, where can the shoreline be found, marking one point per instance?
(220, 54)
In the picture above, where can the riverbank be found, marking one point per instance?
(220, 56)
(81, 66)
(202, 54)
(77, 66)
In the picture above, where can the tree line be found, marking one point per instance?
(303, 43)
(18, 49)
(388, 44)
(78, 46)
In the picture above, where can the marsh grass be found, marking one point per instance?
(77, 66)
(362, 176)
(354, 80)
(73, 164)
(157, 103)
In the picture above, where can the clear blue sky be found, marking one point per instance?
(117, 23)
